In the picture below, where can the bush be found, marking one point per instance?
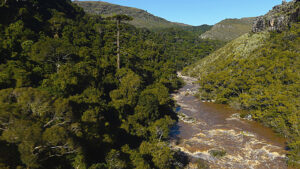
(202, 164)
(217, 153)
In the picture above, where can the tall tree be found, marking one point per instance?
(119, 19)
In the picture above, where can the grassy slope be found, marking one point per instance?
(142, 19)
(229, 29)
(242, 47)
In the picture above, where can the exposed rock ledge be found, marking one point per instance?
(279, 18)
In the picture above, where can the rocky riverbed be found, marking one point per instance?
(216, 134)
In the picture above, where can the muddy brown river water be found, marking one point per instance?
(205, 127)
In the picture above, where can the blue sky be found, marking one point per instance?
(198, 12)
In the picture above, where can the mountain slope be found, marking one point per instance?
(142, 19)
(259, 72)
(242, 47)
(229, 29)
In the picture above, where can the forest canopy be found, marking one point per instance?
(64, 103)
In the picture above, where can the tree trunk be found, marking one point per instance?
(118, 44)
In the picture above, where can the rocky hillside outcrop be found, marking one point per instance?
(279, 18)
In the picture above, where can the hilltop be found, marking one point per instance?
(229, 29)
(141, 18)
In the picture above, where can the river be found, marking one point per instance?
(204, 128)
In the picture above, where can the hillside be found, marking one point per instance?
(229, 29)
(141, 18)
(259, 72)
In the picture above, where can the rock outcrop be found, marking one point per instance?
(279, 18)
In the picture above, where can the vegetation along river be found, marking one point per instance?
(215, 133)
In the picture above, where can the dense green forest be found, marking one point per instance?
(183, 45)
(64, 103)
(259, 72)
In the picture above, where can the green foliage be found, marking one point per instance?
(259, 73)
(201, 164)
(63, 102)
(217, 153)
(121, 18)
(113, 160)
(181, 43)
(159, 151)
(127, 93)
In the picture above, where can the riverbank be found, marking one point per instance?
(216, 134)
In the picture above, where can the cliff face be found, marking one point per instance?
(279, 18)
